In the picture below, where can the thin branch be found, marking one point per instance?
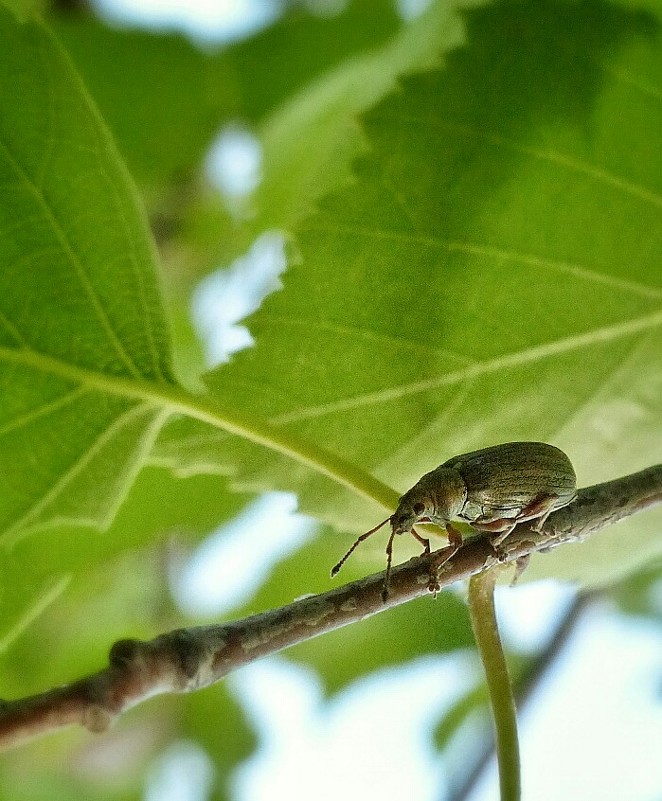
(189, 659)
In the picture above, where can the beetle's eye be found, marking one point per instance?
(419, 508)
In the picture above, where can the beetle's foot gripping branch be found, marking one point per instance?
(442, 557)
(521, 565)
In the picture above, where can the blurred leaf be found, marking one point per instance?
(86, 379)
(641, 594)
(122, 588)
(309, 140)
(165, 99)
(492, 275)
(24, 10)
(165, 134)
(160, 509)
(448, 352)
(277, 63)
(465, 706)
(488, 272)
(214, 719)
(110, 767)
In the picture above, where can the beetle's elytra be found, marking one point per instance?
(492, 489)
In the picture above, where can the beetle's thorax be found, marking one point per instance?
(438, 497)
(448, 493)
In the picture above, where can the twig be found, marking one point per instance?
(189, 659)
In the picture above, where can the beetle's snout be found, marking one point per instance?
(401, 523)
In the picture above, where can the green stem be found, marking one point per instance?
(486, 632)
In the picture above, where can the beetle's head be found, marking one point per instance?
(414, 507)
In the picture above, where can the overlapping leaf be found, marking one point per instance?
(491, 275)
(84, 357)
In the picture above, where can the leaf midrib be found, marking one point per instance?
(176, 400)
(575, 269)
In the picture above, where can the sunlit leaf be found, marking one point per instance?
(78, 298)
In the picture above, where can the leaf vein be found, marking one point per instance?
(13, 331)
(636, 82)
(41, 411)
(80, 464)
(105, 142)
(515, 359)
(530, 259)
(74, 261)
(576, 165)
(366, 334)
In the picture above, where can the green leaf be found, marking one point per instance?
(460, 292)
(309, 141)
(78, 298)
(639, 595)
(84, 357)
(464, 707)
(208, 717)
(304, 46)
(492, 275)
(159, 509)
(162, 127)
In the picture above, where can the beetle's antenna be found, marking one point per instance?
(336, 568)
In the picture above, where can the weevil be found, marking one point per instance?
(493, 489)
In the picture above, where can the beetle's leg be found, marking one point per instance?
(426, 550)
(454, 537)
(500, 527)
(521, 564)
(455, 542)
(495, 525)
(502, 535)
(425, 543)
(540, 508)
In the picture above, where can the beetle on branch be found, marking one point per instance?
(493, 489)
